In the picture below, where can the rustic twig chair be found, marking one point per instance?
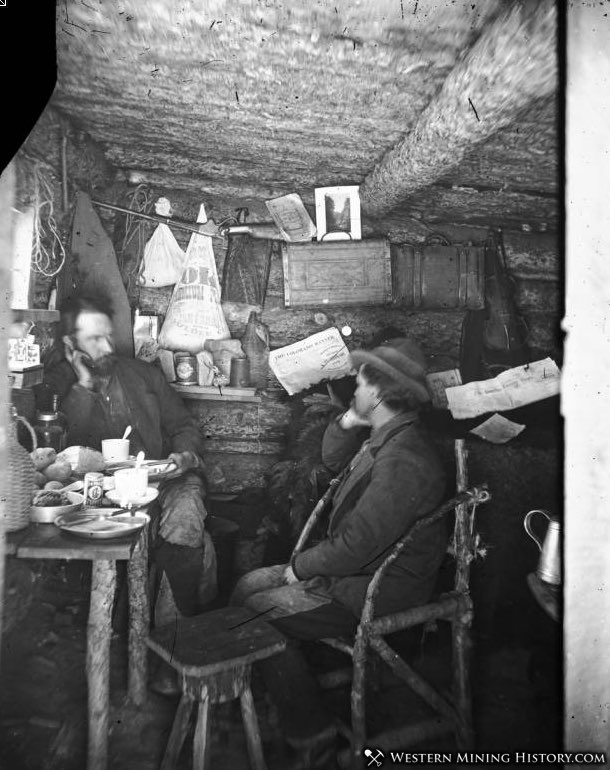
(455, 607)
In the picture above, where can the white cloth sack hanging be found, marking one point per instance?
(194, 314)
(163, 260)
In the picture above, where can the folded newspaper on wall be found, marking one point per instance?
(509, 390)
(323, 356)
(291, 218)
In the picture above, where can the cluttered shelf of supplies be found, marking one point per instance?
(215, 393)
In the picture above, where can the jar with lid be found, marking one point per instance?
(50, 427)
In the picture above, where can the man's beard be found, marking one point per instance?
(104, 365)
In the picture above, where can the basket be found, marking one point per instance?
(15, 511)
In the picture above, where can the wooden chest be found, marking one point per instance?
(337, 273)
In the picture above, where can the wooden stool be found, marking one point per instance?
(214, 653)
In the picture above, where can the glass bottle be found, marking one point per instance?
(50, 427)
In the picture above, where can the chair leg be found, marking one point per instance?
(178, 733)
(253, 736)
(201, 740)
(358, 701)
(462, 644)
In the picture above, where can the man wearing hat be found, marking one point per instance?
(387, 483)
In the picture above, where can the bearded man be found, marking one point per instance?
(102, 393)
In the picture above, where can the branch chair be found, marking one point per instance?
(454, 713)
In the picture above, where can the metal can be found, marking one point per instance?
(186, 368)
(94, 489)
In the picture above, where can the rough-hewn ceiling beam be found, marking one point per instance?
(513, 62)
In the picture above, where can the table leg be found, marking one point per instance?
(139, 619)
(99, 632)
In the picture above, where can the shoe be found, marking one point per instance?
(166, 684)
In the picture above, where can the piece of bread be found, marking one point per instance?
(60, 470)
(82, 459)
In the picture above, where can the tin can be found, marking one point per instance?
(240, 373)
(94, 489)
(186, 368)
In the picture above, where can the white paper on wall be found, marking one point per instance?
(513, 388)
(497, 429)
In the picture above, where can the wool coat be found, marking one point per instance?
(138, 394)
(395, 479)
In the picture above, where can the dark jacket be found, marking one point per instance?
(160, 421)
(395, 480)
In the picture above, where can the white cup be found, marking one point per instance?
(115, 449)
(130, 484)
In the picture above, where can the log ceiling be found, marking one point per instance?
(446, 111)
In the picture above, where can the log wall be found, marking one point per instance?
(244, 440)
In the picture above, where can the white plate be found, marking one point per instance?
(101, 524)
(137, 502)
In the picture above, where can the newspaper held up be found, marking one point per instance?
(513, 388)
(323, 356)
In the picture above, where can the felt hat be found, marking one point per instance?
(402, 360)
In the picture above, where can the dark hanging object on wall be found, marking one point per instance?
(246, 270)
(493, 339)
(93, 269)
(255, 344)
(246, 267)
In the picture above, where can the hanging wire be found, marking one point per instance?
(140, 202)
(48, 253)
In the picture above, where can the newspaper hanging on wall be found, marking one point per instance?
(513, 388)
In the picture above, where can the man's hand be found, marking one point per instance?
(83, 373)
(351, 419)
(289, 576)
(184, 461)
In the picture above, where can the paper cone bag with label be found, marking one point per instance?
(195, 314)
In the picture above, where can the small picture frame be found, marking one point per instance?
(338, 213)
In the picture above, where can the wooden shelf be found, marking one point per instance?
(35, 314)
(204, 393)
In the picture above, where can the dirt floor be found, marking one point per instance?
(516, 685)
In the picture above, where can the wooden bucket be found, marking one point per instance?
(438, 277)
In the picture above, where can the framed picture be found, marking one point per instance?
(338, 213)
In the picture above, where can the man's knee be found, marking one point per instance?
(256, 581)
(183, 511)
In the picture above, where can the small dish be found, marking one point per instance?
(139, 502)
(46, 514)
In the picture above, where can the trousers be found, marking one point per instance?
(301, 615)
(182, 549)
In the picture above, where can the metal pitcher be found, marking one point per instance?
(549, 564)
